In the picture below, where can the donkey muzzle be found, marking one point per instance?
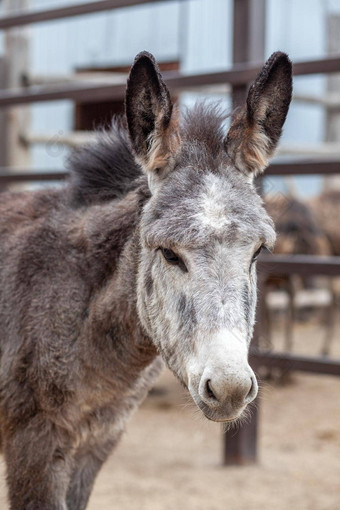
(221, 382)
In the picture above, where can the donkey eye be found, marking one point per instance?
(172, 258)
(257, 253)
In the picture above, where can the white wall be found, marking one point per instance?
(198, 32)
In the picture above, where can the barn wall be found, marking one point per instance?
(197, 32)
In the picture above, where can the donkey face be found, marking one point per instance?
(203, 228)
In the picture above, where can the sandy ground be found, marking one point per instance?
(170, 457)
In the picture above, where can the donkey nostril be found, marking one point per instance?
(252, 389)
(210, 392)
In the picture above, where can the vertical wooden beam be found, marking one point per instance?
(248, 38)
(3, 122)
(16, 44)
(332, 127)
(3, 116)
(240, 447)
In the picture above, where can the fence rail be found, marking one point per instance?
(15, 177)
(304, 167)
(288, 362)
(239, 74)
(299, 264)
(291, 167)
(27, 18)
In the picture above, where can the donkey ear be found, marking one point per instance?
(256, 128)
(149, 113)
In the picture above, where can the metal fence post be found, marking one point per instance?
(240, 446)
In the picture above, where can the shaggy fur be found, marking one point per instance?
(88, 299)
(104, 170)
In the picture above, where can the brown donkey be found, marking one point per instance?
(149, 250)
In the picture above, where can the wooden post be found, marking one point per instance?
(332, 131)
(240, 447)
(3, 116)
(16, 43)
(248, 38)
(3, 121)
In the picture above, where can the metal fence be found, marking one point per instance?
(239, 447)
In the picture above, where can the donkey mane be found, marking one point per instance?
(204, 124)
(106, 169)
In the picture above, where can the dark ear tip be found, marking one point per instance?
(278, 62)
(144, 56)
(279, 59)
(144, 63)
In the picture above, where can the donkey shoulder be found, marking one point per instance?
(18, 209)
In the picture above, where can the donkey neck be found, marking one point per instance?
(116, 336)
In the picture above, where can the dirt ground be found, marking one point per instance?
(170, 457)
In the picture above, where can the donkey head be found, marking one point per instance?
(203, 228)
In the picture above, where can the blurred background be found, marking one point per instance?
(63, 68)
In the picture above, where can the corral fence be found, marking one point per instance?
(248, 54)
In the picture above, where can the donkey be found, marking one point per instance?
(148, 252)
